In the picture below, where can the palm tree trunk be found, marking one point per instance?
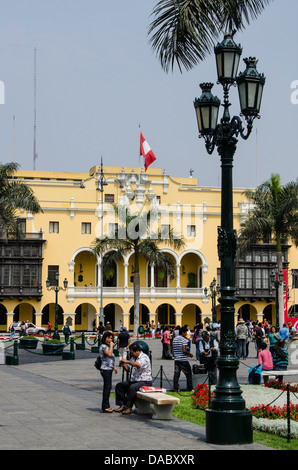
(136, 292)
(280, 312)
(136, 296)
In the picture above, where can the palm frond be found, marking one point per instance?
(236, 14)
(274, 213)
(183, 32)
(151, 252)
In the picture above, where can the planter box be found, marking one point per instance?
(28, 343)
(53, 349)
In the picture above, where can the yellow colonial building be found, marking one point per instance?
(75, 212)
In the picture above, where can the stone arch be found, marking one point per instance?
(166, 314)
(3, 315)
(48, 314)
(191, 269)
(248, 312)
(191, 315)
(113, 314)
(24, 311)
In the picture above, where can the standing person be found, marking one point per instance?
(66, 330)
(265, 359)
(259, 334)
(153, 328)
(199, 332)
(123, 343)
(100, 328)
(49, 331)
(140, 368)
(208, 356)
(188, 337)
(167, 343)
(241, 339)
(249, 337)
(12, 333)
(163, 346)
(181, 355)
(107, 368)
(284, 336)
(273, 338)
(280, 358)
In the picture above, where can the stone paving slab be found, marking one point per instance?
(55, 405)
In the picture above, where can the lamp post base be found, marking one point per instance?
(56, 335)
(229, 427)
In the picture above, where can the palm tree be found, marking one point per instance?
(133, 235)
(184, 31)
(14, 195)
(274, 214)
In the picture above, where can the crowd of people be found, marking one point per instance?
(271, 345)
(271, 351)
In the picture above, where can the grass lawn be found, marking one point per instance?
(186, 412)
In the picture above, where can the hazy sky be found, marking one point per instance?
(98, 79)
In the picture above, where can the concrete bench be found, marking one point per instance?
(276, 373)
(159, 405)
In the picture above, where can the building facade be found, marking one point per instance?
(60, 240)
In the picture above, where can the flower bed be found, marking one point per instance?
(268, 405)
(275, 412)
(200, 398)
(281, 386)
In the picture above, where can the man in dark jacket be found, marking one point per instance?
(123, 343)
(208, 355)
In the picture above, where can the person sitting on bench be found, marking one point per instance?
(140, 369)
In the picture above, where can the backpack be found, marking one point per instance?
(254, 375)
(97, 363)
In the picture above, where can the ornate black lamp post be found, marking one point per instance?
(277, 279)
(56, 288)
(228, 421)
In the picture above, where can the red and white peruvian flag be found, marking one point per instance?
(147, 152)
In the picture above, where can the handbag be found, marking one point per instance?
(98, 363)
(199, 369)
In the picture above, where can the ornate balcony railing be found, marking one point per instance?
(75, 292)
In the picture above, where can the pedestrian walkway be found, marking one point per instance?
(50, 404)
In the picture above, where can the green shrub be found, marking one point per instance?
(54, 341)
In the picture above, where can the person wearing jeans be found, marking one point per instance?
(107, 368)
(241, 339)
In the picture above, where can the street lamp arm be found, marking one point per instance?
(228, 130)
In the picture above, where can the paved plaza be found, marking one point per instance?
(52, 404)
